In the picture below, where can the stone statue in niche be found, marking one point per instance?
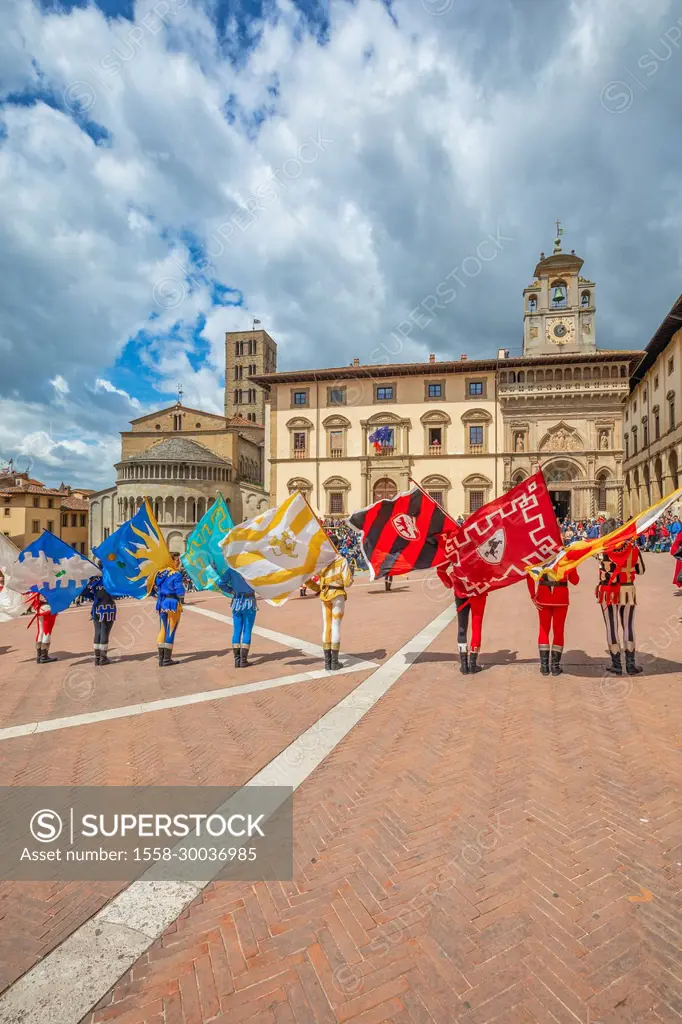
(604, 440)
(519, 446)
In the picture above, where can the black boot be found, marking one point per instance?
(39, 654)
(161, 656)
(237, 657)
(464, 663)
(615, 667)
(103, 660)
(46, 656)
(167, 657)
(473, 658)
(556, 663)
(327, 659)
(334, 662)
(97, 656)
(544, 661)
(244, 658)
(630, 667)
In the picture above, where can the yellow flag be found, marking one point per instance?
(279, 550)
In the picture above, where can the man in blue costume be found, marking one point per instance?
(170, 597)
(103, 615)
(244, 610)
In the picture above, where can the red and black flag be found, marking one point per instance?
(402, 534)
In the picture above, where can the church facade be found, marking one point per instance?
(465, 430)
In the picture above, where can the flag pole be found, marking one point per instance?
(318, 522)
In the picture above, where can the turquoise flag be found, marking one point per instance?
(203, 559)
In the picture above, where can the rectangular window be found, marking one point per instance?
(475, 436)
(65, 520)
(82, 547)
(336, 503)
(476, 500)
(671, 413)
(36, 502)
(336, 441)
(35, 525)
(300, 441)
(671, 365)
(475, 388)
(435, 437)
(50, 525)
(385, 394)
(50, 502)
(238, 371)
(106, 532)
(83, 520)
(299, 398)
(627, 446)
(336, 396)
(8, 511)
(645, 432)
(657, 427)
(73, 520)
(435, 391)
(437, 496)
(656, 383)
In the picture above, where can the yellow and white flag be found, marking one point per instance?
(279, 550)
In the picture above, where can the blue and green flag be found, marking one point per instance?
(203, 559)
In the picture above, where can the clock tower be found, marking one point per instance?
(558, 307)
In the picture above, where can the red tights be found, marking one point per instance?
(552, 619)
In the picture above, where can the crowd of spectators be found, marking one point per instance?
(659, 537)
(347, 542)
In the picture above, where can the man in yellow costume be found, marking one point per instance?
(332, 584)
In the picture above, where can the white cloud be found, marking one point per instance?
(391, 153)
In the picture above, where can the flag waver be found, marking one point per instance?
(402, 533)
(11, 602)
(279, 550)
(558, 566)
(51, 567)
(495, 545)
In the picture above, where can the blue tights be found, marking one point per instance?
(242, 626)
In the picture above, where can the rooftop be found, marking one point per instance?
(178, 449)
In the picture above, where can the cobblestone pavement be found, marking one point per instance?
(503, 847)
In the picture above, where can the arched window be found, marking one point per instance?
(585, 299)
(532, 303)
(559, 299)
(601, 491)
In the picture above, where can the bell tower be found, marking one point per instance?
(558, 307)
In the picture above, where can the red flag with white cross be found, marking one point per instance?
(494, 546)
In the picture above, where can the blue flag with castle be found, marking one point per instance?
(133, 555)
(51, 567)
(203, 560)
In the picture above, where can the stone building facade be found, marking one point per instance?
(465, 430)
(180, 458)
(653, 418)
(247, 354)
(28, 508)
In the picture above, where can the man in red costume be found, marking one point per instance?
(45, 621)
(676, 552)
(615, 592)
(551, 600)
(467, 605)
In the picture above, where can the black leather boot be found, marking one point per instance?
(103, 660)
(244, 658)
(97, 656)
(615, 667)
(544, 661)
(556, 663)
(473, 659)
(237, 657)
(327, 660)
(46, 656)
(630, 667)
(168, 657)
(39, 654)
(464, 663)
(334, 662)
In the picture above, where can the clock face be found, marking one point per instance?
(560, 330)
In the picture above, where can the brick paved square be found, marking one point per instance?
(503, 847)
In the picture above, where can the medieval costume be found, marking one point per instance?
(244, 610)
(45, 621)
(468, 605)
(103, 616)
(676, 552)
(332, 584)
(170, 596)
(551, 600)
(616, 595)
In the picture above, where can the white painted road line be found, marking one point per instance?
(68, 982)
(131, 710)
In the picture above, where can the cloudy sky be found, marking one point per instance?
(170, 169)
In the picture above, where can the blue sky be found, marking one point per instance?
(170, 169)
